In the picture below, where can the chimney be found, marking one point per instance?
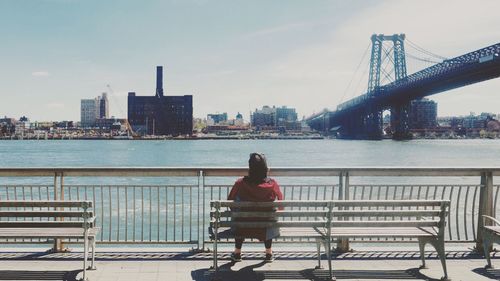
(159, 81)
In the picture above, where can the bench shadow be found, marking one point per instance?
(249, 274)
(491, 273)
(39, 275)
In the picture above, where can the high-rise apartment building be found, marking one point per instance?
(103, 106)
(93, 109)
(159, 114)
(88, 113)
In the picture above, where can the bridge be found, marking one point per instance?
(361, 117)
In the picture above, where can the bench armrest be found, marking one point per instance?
(485, 217)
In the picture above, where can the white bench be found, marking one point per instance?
(299, 220)
(45, 220)
(330, 221)
(387, 220)
(491, 234)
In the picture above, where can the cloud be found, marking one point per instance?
(40, 74)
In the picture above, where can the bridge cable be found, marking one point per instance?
(429, 53)
(354, 74)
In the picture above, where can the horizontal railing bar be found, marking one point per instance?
(230, 171)
(48, 203)
(66, 214)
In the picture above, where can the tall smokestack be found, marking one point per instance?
(159, 81)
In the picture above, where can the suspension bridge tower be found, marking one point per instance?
(382, 56)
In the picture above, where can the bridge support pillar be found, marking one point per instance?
(372, 129)
(400, 121)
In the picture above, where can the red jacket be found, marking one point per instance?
(266, 191)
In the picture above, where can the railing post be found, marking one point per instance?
(200, 228)
(58, 195)
(485, 206)
(203, 230)
(343, 243)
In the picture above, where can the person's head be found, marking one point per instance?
(257, 167)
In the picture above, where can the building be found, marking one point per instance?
(423, 114)
(159, 114)
(88, 113)
(217, 118)
(276, 117)
(103, 106)
(93, 109)
(265, 117)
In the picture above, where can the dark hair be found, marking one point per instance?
(257, 168)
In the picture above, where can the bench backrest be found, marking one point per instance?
(46, 214)
(284, 213)
(332, 214)
(389, 213)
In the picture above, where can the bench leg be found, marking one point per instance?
(486, 247)
(92, 266)
(85, 256)
(439, 246)
(421, 246)
(318, 246)
(328, 248)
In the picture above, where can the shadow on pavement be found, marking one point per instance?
(491, 273)
(249, 274)
(39, 275)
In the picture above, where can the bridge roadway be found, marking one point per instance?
(473, 67)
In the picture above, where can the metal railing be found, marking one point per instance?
(171, 205)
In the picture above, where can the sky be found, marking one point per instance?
(231, 55)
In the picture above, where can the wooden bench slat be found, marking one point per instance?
(253, 224)
(495, 229)
(44, 203)
(278, 213)
(282, 203)
(30, 232)
(44, 213)
(386, 213)
(40, 224)
(388, 203)
(383, 232)
(395, 223)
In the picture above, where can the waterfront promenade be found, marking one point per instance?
(375, 263)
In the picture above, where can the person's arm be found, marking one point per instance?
(234, 192)
(279, 194)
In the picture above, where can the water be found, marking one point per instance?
(157, 209)
(234, 153)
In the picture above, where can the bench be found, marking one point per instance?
(297, 220)
(491, 234)
(329, 221)
(45, 220)
(389, 220)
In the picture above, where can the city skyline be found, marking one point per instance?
(65, 51)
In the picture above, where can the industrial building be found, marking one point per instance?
(423, 114)
(159, 114)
